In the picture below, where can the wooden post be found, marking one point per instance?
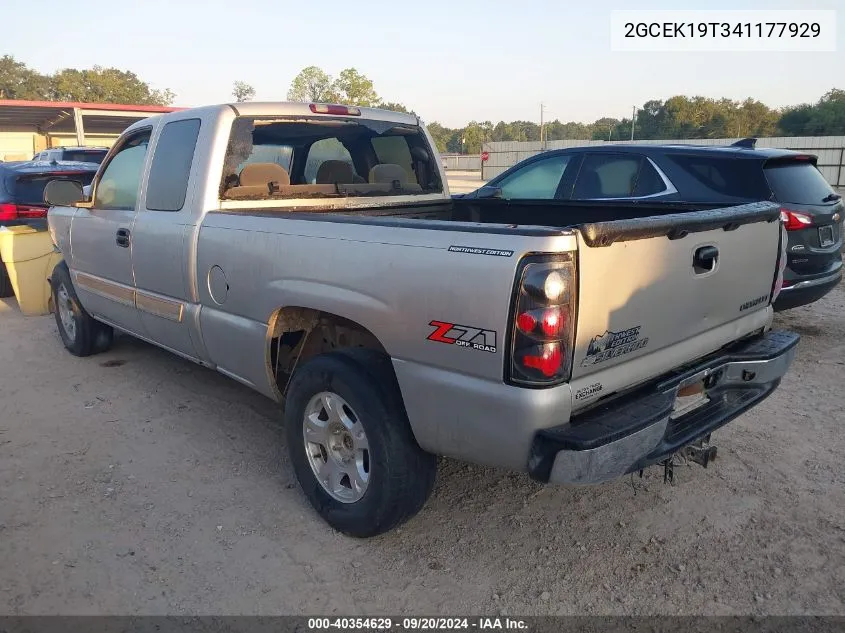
(80, 129)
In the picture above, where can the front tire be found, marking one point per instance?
(351, 445)
(81, 334)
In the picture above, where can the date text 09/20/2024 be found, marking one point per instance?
(417, 624)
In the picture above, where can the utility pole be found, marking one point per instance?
(633, 121)
(542, 128)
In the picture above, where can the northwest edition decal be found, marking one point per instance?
(474, 250)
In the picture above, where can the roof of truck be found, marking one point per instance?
(288, 108)
(291, 108)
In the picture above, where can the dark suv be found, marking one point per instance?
(811, 210)
(75, 154)
(22, 194)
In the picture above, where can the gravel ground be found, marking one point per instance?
(137, 483)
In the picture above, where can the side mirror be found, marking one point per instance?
(63, 193)
(488, 192)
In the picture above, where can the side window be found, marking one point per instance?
(649, 182)
(394, 150)
(740, 178)
(118, 185)
(321, 151)
(538, 181)
(171, 167)
(607, 176)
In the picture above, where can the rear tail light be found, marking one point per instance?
(542, 332)
(342, 110)
(544, 323)
(545, 359)
(794, 220)
(12, 212)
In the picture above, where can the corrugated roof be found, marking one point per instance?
(57, 116)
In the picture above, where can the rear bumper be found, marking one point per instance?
(635, 431)
(808, 290)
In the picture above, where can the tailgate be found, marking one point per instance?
(649, 283)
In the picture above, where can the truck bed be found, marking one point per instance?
(551, 213)
(600, 220)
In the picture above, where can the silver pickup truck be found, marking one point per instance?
(313, 253)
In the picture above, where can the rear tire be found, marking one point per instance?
(81, 334)
(6, 289)
(353, 396)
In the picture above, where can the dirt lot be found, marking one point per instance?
(135, 482)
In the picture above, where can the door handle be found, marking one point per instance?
(122, 238)
(705, 259)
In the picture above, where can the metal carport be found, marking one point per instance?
(45, 120)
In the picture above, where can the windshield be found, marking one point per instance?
(798, 183)
(269, 153)
(327, 158)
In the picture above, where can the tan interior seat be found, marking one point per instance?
(333, 172)
(255, 179)
(388, 173)
(257, 174)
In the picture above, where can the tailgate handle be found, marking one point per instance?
(705, 259)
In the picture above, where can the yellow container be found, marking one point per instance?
(29, 259)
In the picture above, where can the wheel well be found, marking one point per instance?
(296, 334)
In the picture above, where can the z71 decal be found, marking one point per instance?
(463, 336)
(612, 344)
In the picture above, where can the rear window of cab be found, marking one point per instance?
(327, 158)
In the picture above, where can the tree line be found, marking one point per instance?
(679, 117)
(94, 85)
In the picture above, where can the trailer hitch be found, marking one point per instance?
(702, 455)
(699, 452)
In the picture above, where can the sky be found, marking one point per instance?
(450, 61)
